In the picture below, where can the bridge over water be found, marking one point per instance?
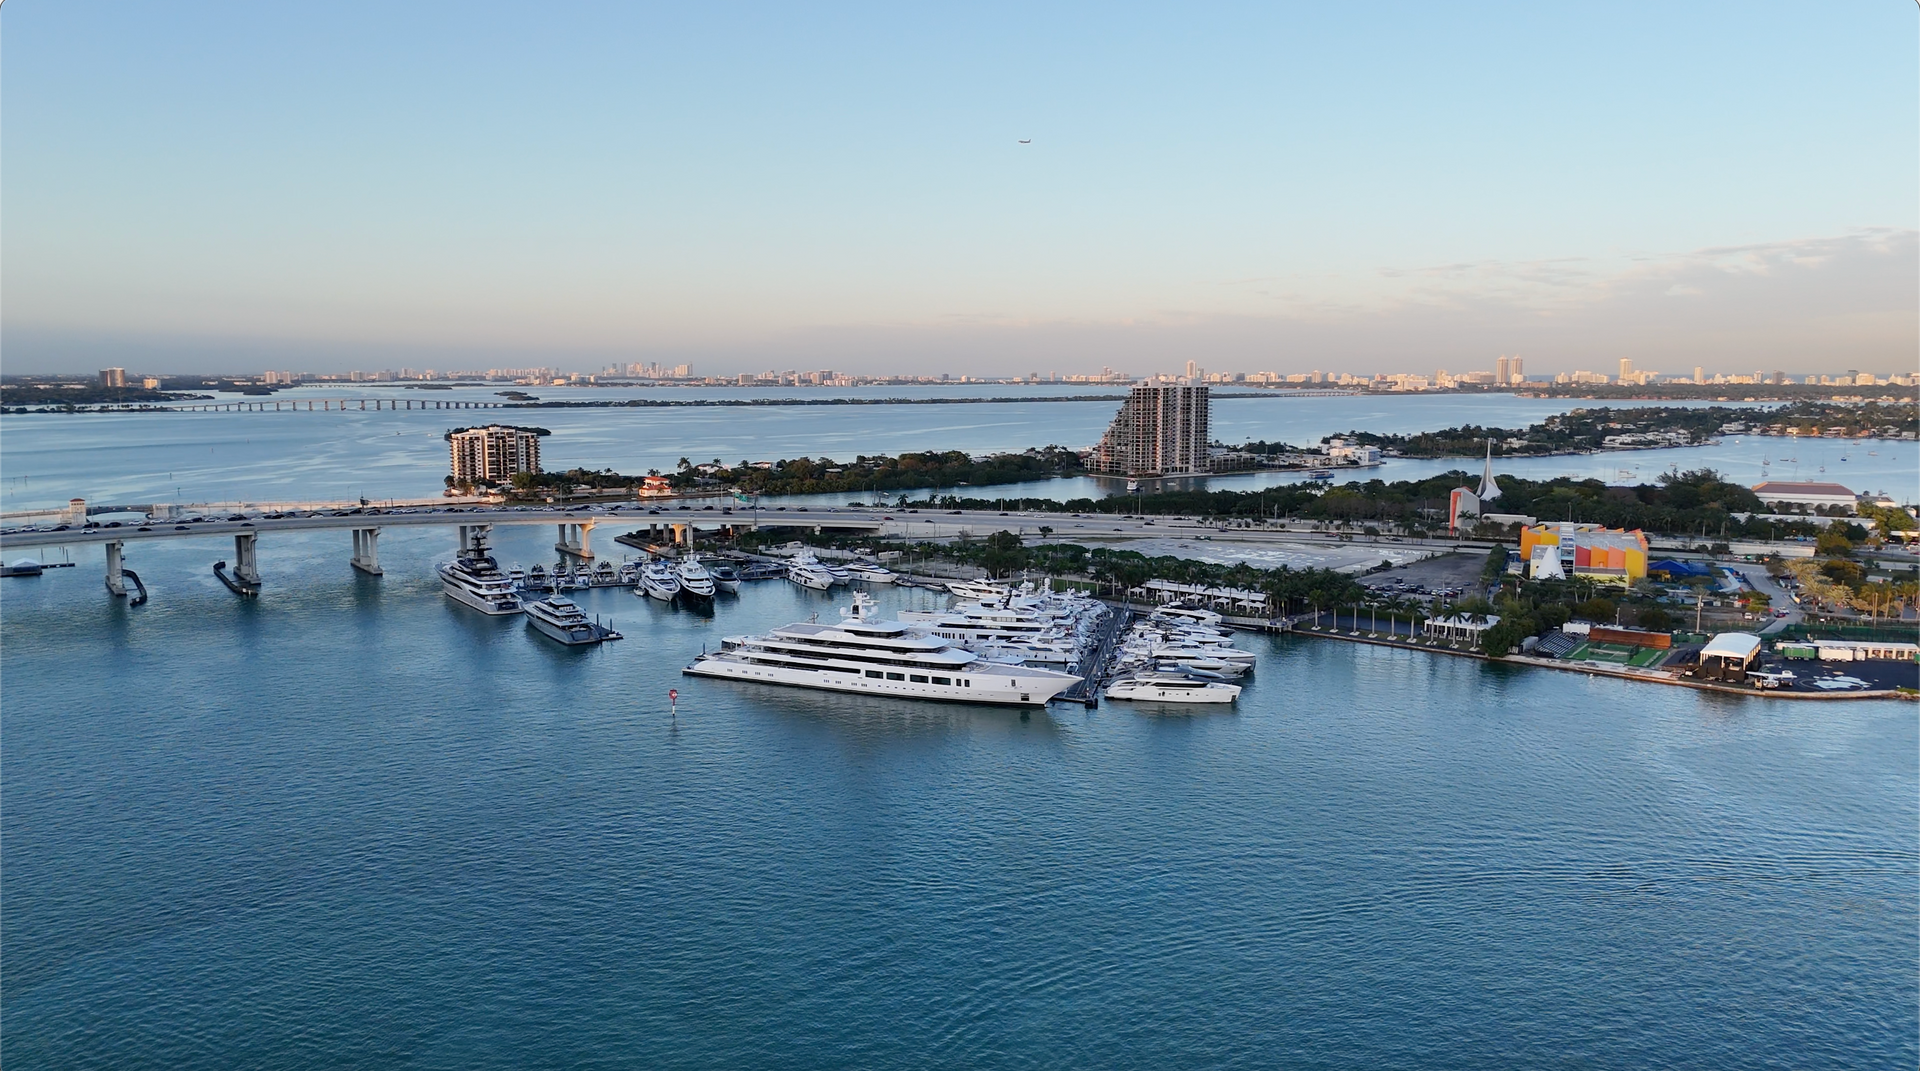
(664, 521)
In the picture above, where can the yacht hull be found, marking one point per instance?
(466, 598)
(572, 637)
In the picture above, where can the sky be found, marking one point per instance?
(1264, 187)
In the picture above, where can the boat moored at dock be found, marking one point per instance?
(726, 577)
(475, 579)
(865, 655)
(696, 582)
(659, 580)
(869, 573)
(1158, 688)
(807, 571)
(560, 618)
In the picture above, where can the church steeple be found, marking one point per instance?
(1489, 490)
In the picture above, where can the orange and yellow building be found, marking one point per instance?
(1588, 551)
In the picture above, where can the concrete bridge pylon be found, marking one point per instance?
(116, 577)
(246, 563)
(366, 551)
(575, 538)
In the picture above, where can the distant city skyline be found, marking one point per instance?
(233, 188)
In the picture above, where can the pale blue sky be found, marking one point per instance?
(1385, 186)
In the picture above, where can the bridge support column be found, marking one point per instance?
(683, 535)
(366, 550)
(574, 540)
(116, 580)
(246, 567)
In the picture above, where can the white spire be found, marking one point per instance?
(1489, 490)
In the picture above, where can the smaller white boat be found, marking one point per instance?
(517, 575)
(695, 581)
(537, 577)
(659, 580)
(868, 573)
(1159, 688)
(560, 618)
(725, 577)
(806, 571)
(981, 590)
(1206, 667)
(1190, 614)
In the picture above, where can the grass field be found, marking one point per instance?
(1616, 654)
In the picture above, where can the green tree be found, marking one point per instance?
(1833, 543)
(1496, 566)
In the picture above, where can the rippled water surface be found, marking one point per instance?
(353, 825)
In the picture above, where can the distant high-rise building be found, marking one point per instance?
(151, 382)
(1193, 370)
(493, 454)
(1626, 369)
(1514, 367)
(113, 377)
(1503, 371)
(1317, 376)
(1699, 374)
(1161, 430)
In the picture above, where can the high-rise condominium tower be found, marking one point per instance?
(1161, 430)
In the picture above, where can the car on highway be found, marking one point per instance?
(180, 528)
(143, 528)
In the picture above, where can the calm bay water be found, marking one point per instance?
(353, 825)
(259, 457)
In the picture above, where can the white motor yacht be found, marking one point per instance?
(983, 590)
(1165, 688)
(659, 580)
(868, 573)
(560, 618)
(806, 571)
(695, 581)
(1192, 615)
(865, 655)
(725, 577)
(475, 579)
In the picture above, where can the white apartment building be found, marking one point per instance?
(492, 454)
(1161, 430)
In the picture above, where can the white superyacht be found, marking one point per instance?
(475, 579)
(866, 655)
(562, 619)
